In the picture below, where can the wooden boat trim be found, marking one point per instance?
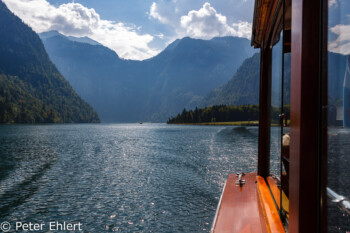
(239, 210)
(217, 208)
(265, 12)
(246, 208)
(275, 191)
(272, 218)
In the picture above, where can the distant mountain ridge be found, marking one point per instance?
(150, 90)
(31, 88)
(85, 39)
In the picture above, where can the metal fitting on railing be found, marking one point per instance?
(341, 201)
(240, 182)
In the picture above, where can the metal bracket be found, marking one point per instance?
(240, 182)
(340, 200)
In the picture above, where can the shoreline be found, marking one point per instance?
(234, 123)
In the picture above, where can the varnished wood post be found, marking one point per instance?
(324, 124)
(264, 113)
(306, 188)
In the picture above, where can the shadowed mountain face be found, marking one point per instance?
(31, 88)
(153, 89)
(243, 88)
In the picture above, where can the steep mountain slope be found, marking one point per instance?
(92, 70)
(242, 89)
(31, 88)
(150, 90)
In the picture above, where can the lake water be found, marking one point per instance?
(120, 177)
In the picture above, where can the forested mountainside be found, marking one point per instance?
(243, 88)
(150, 90)
(31, 88)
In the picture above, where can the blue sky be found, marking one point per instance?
(137, 29)
(339, 26)
(140, 29)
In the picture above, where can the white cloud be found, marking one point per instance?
(165, 12)
(160, 36)
(204, 23)
(207, 23)
(74, 19)
(332, 2)
(342, 43)
(243, 29)
(156, 14)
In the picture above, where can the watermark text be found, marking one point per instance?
(33, 226)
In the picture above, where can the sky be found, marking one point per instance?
(137, 29)
(339, 26)
(140, 29)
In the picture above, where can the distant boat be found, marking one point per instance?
(140, 123)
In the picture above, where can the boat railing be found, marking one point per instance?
(340, 200)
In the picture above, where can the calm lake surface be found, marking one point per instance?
(120, 177)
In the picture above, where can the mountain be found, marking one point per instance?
(92, 72)
(85, 39)
(31, 88)
(336, 73)
(150, 90)
(241, 89)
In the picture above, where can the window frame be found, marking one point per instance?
(308, 112)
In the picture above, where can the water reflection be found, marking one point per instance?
(149, 177)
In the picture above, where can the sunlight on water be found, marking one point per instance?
(120, 177)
